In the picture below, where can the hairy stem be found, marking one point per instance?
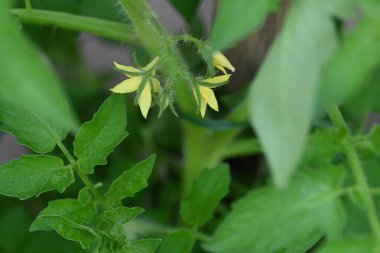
(357, 170)
(82, 176)
(104, 28)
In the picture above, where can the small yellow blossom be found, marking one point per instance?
(221, 62)
(136, 77)
(207, 95)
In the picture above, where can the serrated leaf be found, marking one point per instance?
(279, 114)
(97, 138)
(131, 181)
(236, 19)
(212, 185)
(70, 219)
(308, 207)
(181, 241)
(367, 245)
(142, 246)
(32, 175)
(29, 81)
(29, 129)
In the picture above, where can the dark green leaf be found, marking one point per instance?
(188, 8)
(181, 241)
(142, 246)
(131, 181)
(212, 185)
(32, 175)
(101, 9)
(236, 19)
(97, 138)
(306, 211)
(279, 114)
(70, 219)
(28, 81)
(29, 129)
(367, 245)
(342, 77)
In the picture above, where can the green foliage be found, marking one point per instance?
(211, 186)
(342, 78)
(131, 181)
(306, 211)
(97, 138)
(361, 245)
(142, 246)
(69, 218)
(188, 8)
(236, 19)
(32, 175)
(29, 82)
(180, 241)
(279, 114)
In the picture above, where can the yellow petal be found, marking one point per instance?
(145, 100)
(127, 68)
(156, 85)
(220, 59)
(221, 68)
(203, 107)
(217, 79)
(209, 96)
(127, 86)
(151, 64)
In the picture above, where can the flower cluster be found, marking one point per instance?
(145, 82)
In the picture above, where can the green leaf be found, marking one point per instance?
(181, 241)
(236, 19)
(97, 138)
(28, 81)
(367, 245)
(342, 78)
(211, 186)
(115, 217)
(32, 175)
(188, 8)
(29, 129)
(307, 210)
(131, 181)
(142, 246)
(70, 219)
(279, 114)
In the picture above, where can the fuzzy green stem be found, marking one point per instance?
(28, 5)
(103, 28)
(81, 175)
(357, 169)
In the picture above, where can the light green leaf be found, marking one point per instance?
(32, 175)
(181, 241)
(211, 186)
(29, 129)
(142, 246)
(131, 181)
(306, 211)
(26, 78)
(367, 245)
(236, 19)
(283, 96)
(70, 219)
(97, 138)
(342, 77)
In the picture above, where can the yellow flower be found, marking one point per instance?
(206, 93)
(221, 62)
(135, 80)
